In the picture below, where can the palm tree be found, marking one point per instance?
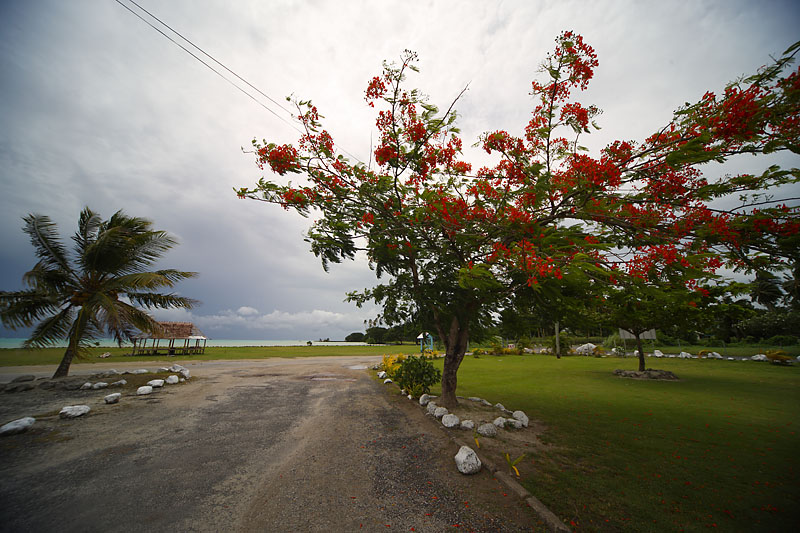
(103, 288)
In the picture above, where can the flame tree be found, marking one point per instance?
(451, 243)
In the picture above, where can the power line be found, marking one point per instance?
(206, 64)
(176, 32)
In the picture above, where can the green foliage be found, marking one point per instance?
(563, 344)
(355, 337)
(416, 374)
(103, 289)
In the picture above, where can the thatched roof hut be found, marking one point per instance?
(171, 332)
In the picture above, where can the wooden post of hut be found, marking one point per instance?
(171, 331)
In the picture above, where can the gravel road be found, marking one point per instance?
(271, 445)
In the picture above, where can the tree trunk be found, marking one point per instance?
(641, 352)
(63, 367)
(456, 346)
(75, 335)
(558, 342)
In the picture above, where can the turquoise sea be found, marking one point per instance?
(16, 343)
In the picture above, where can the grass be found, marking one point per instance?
(52, 356)
(717, 449)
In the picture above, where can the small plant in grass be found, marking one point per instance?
(416, 375)
(391, 362)
(513, 464)
(778, 357)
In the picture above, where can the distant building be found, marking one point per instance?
(169, 333)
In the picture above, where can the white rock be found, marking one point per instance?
(172, 380)
(467, 424)
(113, 398)
(658, 353)
(439, 412)
(487, 430)
(164, 369)
(450, 420)
(100, 385)
(432, 407)
(387, 381)
(381, 375)
(486, 403)
(156, 383)
(685, 355)
(500, 406)
(183, 379)
(74, 411)
(499, 422)
(474, 399)
(731, 359)
(410, 397)
(146, 389)
(86, 386)
(424, 399)
(585, 349)
(522, 417)
(17, 426)
(141, 371)
(516, 424)
(185, 373)
(467, 461)
(759, 357)
(119, 383)
(403, 392)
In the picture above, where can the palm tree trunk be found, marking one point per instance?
(63, 367)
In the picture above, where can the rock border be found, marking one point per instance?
(551, 520)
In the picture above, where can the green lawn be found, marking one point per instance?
(52, 356)
(718, 449)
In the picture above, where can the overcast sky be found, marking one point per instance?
(99, 109)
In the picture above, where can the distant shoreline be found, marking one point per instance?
(13, 343)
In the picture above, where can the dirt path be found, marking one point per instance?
(274, 445)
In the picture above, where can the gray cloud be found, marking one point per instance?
(100, 110)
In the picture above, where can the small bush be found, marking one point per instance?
(781, 340)
(391, 362)
(417, 375)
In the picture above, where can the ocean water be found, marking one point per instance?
(16, 343)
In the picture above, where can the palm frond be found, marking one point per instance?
(42, 278)
(148, 280)
(88, 224)
(24, 308)
(46, 241)
(164, 301)
(51, 330)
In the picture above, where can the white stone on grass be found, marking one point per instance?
(387, 381)
(467, 424)
(146, 389)
(467, 461)
(17, 426)
(424, 399)
(450, 420)
(759, 357)
(119, 383)
(141, 371)
(522, 417)
(487, 430)
(74, 411)
(381, 375)
(516, 424)
(86, 386)
(500, 406)
(172, 380)
(431, 407)
(658, 353)
(439, 412)
(156, 383)
(474, 399)
(164, 369)
(113, 398)
(100, 385)
(499, 422)
(585, 349)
